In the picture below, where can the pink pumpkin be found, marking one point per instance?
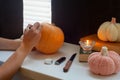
(104, 62)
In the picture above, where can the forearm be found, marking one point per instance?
(9, 44)
(31, 38)
(11, 66)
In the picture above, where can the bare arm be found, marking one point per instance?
(9, 44)
(11, 66)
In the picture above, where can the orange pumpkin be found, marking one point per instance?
(52, 38)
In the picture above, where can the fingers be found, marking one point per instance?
(29, 26)
(37, 26)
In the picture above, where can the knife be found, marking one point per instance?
(69, 62)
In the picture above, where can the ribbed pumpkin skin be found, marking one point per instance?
(104, 65)
(52, 38)
(109, 31)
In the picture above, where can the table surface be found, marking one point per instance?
(34, 67)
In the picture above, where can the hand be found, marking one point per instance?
(31, 35)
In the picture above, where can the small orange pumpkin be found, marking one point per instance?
(52, 38)
(104, 62)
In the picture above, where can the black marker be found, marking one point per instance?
(60, 60)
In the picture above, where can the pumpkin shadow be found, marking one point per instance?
(84, 64)
(40, 56)
(36, 55)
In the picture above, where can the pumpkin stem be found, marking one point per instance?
(104, 51)
(113, 20)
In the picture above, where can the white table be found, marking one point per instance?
(37, 70)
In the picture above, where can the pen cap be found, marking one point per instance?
(60, 60)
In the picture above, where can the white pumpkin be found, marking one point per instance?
(109, 31)
(118, 28)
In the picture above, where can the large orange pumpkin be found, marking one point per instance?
(52, 38)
